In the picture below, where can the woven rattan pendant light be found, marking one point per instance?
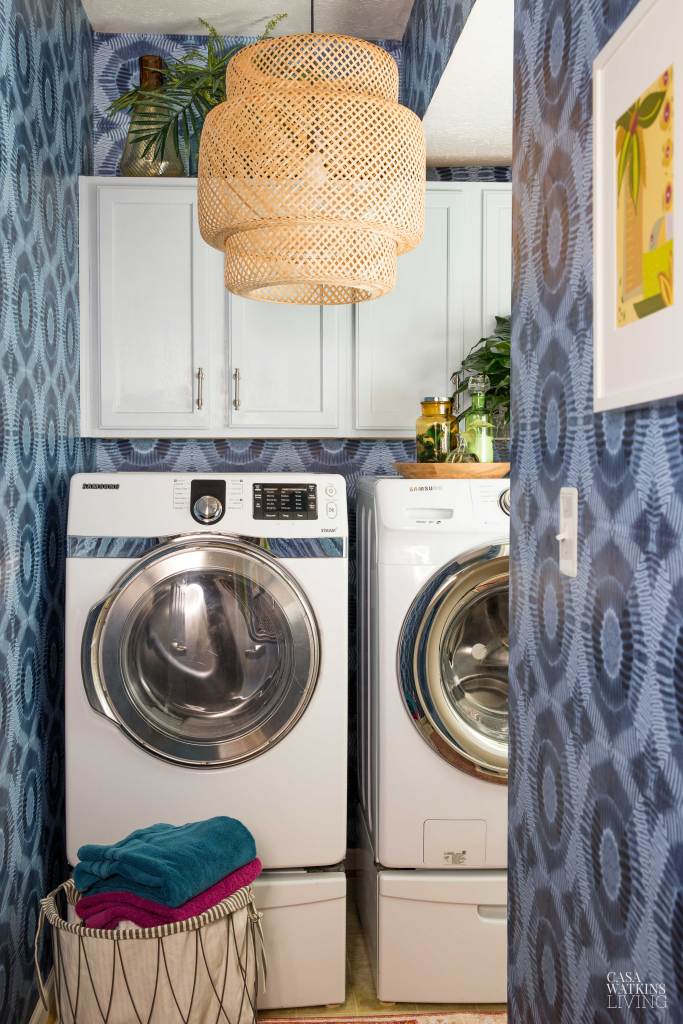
(311, 175)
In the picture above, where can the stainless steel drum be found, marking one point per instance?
(206, 652)
(453, 662)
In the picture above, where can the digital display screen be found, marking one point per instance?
(285, 501)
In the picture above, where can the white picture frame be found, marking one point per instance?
(637, 361)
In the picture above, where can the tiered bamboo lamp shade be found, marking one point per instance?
(311, 175)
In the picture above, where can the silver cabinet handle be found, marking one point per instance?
(236, 397)
(200, 387)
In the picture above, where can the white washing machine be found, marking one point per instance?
(206, 673)
(433, 674)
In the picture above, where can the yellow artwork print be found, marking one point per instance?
(644, 169)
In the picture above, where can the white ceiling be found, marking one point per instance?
(469, 120)
(368, 19)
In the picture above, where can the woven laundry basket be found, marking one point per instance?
(205, 969)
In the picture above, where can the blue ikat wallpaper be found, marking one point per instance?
(433, 29)
(596, 790)
(45, 134)
(467, 173)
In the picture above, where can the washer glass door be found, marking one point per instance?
(206, 652)
(453, 662)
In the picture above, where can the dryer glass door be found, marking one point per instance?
(205, 653)
(453, 660)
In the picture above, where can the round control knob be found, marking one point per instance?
(504, 502)
(207, 509)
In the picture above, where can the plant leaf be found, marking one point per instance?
(176, 134)
(649, 109)
(625, 120)
(490, 355)
(273, 23)
(635, 169)
(192, 85)
(184, 130)
(124, 102)
(623, 160)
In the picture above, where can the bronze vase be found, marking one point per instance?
(135, 163)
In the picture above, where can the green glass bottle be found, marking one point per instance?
(478, 423)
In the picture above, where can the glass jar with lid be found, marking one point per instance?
(478, 423)
(435, 429)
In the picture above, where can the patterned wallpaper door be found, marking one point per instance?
(596, 790)
(45, 132)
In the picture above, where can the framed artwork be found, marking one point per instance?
(638, 248)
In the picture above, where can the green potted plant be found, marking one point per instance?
(490, 357)
(191, 87)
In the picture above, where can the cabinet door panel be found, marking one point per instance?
(497, 256)
(287, 361)
(408, 342)
(154, 309)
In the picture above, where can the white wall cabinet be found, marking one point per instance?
(284, 366)
(448, 292)
(167, 352)
(409, 342)
(496, 248)
(151, 311)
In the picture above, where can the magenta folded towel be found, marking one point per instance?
(108, 909)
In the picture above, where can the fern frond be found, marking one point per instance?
(272, 24)
(192, 86)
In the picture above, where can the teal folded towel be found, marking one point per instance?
(167, 863)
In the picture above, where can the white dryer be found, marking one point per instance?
(206, 673)
(433, 661)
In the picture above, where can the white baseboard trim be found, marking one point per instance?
(40, 1015)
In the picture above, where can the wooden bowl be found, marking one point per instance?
(453, 470)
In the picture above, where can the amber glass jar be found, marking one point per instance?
(434, 429)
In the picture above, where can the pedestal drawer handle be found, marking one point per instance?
(489, 912)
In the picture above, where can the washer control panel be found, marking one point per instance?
(285, 501)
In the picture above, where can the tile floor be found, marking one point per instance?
(360, 990)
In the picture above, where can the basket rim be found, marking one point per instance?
(315, 39)
(240, 899)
